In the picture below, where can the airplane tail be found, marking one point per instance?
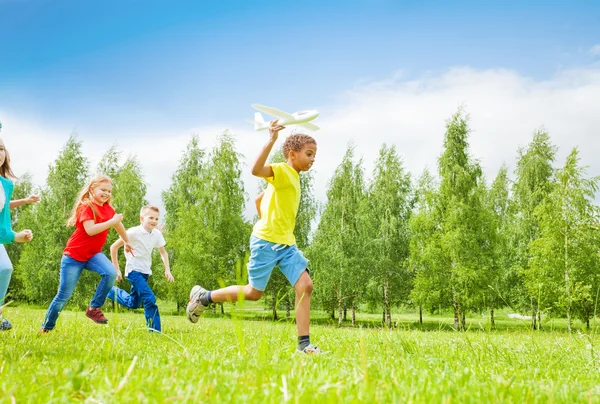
(259, 122)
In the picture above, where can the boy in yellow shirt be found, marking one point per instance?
(272, 242)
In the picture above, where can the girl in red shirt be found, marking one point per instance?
(92, 217)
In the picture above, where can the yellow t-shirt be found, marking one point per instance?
(279, 206)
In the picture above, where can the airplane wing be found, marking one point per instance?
(309, 126)
(273, 111)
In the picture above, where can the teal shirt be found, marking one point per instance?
(7, 235)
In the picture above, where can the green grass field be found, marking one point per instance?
(252, 360)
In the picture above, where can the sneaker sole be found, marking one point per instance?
(194, 307)
(190, 312)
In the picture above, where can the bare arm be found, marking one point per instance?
(257, 201)
(114, 256)
(92, 228)
(164, 255)
(260, 169)
(123, 233)
(19, 202)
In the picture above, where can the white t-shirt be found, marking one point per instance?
(143, 242)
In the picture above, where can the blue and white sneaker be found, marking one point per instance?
(5, 325)
(194, 308)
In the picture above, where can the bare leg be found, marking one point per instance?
(233, 293)
(303, 288)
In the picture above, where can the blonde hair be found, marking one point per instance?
(5, 169)
(85, 198)
(149, 207)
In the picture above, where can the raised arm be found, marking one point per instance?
(260, 169)
(19, 202)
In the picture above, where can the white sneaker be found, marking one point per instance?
(194, 308)
(311, 349)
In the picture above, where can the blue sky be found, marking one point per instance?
(159, 62)
(130, 70)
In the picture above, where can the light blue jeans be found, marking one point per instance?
(70, 270)
(6, 270)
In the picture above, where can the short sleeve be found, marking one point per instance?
(130, 233)
(279, 178)
(85, 213)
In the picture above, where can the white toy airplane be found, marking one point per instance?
(300, 118)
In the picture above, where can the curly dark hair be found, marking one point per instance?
(295, 143)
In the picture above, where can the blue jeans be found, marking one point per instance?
(6, 269)
(70, 270)
(140, 292)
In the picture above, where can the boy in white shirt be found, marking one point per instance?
(143, 239)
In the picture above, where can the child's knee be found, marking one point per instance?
(305, 285)
(111, 275)
(150, 300)
(252, 294)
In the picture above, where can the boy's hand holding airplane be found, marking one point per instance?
(274, 129)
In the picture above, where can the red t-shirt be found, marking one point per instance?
(82, 246)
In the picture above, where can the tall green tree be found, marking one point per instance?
(224, 203)
(389, 204)
(428, 264)
(188, 235)
(498, 204)
(564, 258)
(336, 249)
(532, 185)
(463, 237)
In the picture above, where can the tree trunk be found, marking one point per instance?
(463, 323)
(288, 307)
(178, 307)
(420, 314)
(567, 283)
(386, 300)
(539, 313)
(274, 304)
(492, 321)
(345, 313)
(533, 315)
(222, 308)
(340, 312)
(332, 312)
(456, 314)
(586, 312)
(354, 315)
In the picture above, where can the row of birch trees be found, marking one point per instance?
(444, 241)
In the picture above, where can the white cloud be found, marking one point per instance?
(595, 50)
(505, 108)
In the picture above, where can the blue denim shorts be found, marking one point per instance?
(264, 255)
